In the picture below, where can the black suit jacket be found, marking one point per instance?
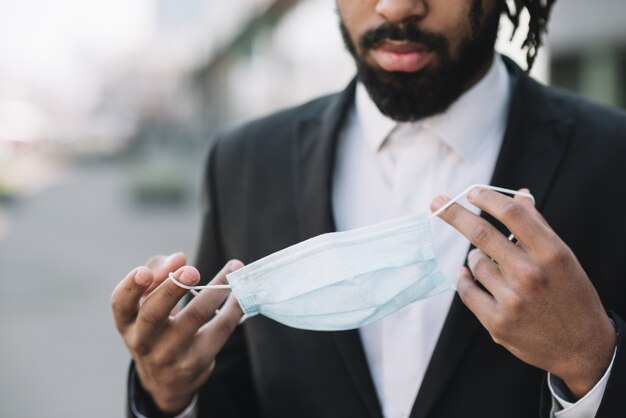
(269, 186)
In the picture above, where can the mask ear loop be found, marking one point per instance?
(194, 291)
(484, 186)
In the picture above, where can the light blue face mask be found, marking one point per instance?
(344, 280)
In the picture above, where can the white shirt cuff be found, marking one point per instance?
(585, 407)
(189, 412)
(192, 409)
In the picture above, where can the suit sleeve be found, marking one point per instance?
(229, 392)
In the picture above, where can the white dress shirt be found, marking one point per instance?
(387, 169)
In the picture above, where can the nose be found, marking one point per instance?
(396, 11)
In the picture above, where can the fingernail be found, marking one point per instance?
(439, 202)
(472, 193)
(188, 277)
(472, 253)
(235, 265)
(142, 278)
(171, 256)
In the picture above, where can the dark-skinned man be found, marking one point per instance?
(535, 327)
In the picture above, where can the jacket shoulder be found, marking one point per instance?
(262, 150)
(274, 130)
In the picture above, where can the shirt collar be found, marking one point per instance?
(470, 121)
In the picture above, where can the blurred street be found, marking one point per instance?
(104, 107)
(62, 250)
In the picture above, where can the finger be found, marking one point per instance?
(477, 300)
(154, 313)
(481, 233)
(216, 332)
(162, 265)
(516, 216)
(487, 272)
(126, 295)
(199, 310)
(528, 203)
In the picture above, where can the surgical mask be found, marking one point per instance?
(344, 280)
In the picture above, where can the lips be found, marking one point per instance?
(402, 56)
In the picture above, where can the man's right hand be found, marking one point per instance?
(174, 350)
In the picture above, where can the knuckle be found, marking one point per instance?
(531, 271)
(149, 319)
(195, 316)
(500, 326)
(117, 307)
(480, 266)
(116, 294)
(514, 304)
(138, 347)
(481, 233)
(556, 256)
(172, 292)
(451, 214)
(188, 366)
(164, 358)
(512, 210)
(535, 278)
(223, 328)
(537, 283)
(121, 323)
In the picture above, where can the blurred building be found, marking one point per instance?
(146, 90)
(179, 70)
(289, 52)
(588, 47)
(292, 51)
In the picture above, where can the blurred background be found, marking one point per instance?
(106, 110)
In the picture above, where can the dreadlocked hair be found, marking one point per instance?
(539, 11)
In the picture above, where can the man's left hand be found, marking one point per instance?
(539, 303)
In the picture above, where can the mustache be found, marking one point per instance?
(402, 32)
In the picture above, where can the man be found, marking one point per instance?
(433, 111)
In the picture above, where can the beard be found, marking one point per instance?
(406, 97)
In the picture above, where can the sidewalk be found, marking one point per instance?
(63, 251)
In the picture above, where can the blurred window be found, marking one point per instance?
(622, 78)
(598, 73)
(566, 72)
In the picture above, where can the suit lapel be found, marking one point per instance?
(533, 148)
(316, 143)
(534, 145)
